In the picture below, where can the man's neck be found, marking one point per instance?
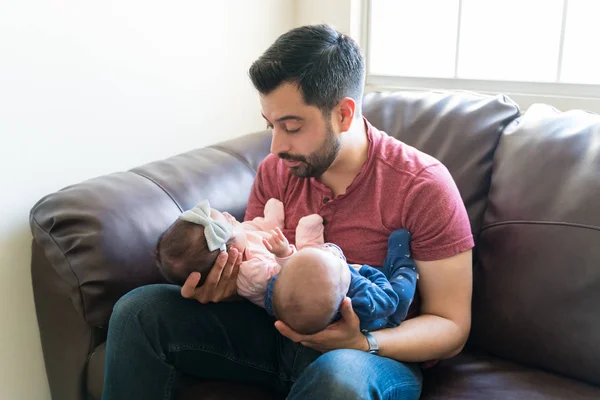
(351, 158)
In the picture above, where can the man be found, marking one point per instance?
(327, 159)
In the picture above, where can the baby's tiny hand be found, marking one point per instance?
(277, 244)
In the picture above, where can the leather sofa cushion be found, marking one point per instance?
(479, 376)
(537, 288)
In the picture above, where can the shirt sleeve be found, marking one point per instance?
(436, 217)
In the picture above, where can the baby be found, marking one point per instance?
(308, 292)
(193, 242)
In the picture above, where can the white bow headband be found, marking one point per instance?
(217, 233)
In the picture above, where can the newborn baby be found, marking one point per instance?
(308, 292)
(193, 242)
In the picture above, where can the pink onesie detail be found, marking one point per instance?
(260, 264)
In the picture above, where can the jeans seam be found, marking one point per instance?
(291, 377)
(178, 348)
(169, 387)
(403, 384)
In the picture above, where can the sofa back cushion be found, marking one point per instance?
(537, 286)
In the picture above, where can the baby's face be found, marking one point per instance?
(238, 234)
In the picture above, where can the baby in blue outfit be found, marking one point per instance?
(307, 293)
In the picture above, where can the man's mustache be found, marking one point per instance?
(291, 157)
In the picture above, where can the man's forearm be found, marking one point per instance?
(424, 338)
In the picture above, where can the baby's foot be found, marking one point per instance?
(309, 231)
(274, 213)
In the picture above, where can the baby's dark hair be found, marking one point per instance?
(306, 319)
(181, 250)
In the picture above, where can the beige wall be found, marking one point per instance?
(88, 88)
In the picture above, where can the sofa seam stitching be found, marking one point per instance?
(233, 154)
(533, 222)
(160, 186)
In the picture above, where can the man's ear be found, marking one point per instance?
(346, 110)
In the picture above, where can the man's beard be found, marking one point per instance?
(319, 161)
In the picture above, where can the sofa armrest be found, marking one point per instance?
(94, 242)
(66, 338)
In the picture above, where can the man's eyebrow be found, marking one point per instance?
(285, 118)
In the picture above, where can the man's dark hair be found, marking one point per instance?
(325, 64)
(181, 250)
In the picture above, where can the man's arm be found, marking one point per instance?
(442, 329)
(441, 244)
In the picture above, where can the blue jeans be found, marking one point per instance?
(155, 334)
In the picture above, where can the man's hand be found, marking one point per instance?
(342, 334)
(220, 284)
(278, 244)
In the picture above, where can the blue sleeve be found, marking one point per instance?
(401, 272)
(373, 298)
(269, 295)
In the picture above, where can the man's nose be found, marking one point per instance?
(279, 142)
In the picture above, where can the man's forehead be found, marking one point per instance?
(284, 103)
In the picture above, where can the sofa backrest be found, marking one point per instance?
(537, 285)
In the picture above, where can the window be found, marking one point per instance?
(540, 47)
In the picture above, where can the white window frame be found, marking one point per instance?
(563, 96)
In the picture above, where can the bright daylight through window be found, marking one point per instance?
(542, 46)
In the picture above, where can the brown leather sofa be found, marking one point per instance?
(530, 181)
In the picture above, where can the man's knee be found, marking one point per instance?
(327, 376)
(144, 300)
(352, 374)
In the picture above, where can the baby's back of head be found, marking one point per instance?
(181, 250)
(309, 290)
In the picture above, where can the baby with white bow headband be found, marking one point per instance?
(193, 242)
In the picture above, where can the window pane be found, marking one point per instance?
(581, 63)
(413, 38)
(510, 39)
